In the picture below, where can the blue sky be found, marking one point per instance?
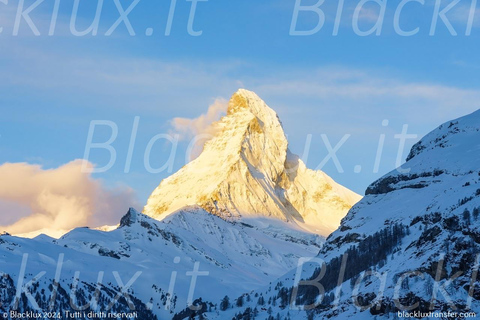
(54, 86)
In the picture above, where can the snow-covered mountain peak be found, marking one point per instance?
(250, 134)
(247, 170)
(129, 218)
(448, 142)
(244, 101)
(449, 150)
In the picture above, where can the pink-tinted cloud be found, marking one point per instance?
(59, 199)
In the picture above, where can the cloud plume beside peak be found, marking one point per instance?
(189, 128)
(59, 199)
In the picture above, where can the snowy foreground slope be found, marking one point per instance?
(411, 244)
(247, 170)
(238, 257)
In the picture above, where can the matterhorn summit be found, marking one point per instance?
(246, 170)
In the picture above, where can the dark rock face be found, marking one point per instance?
(129, 218)
(387, 184)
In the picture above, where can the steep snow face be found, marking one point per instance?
(246, 170)
(423, 217)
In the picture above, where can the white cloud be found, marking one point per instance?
(201, 129)
(59, 199)
(204, 124)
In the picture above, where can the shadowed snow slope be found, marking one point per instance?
(247, 170)
(417, 229)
